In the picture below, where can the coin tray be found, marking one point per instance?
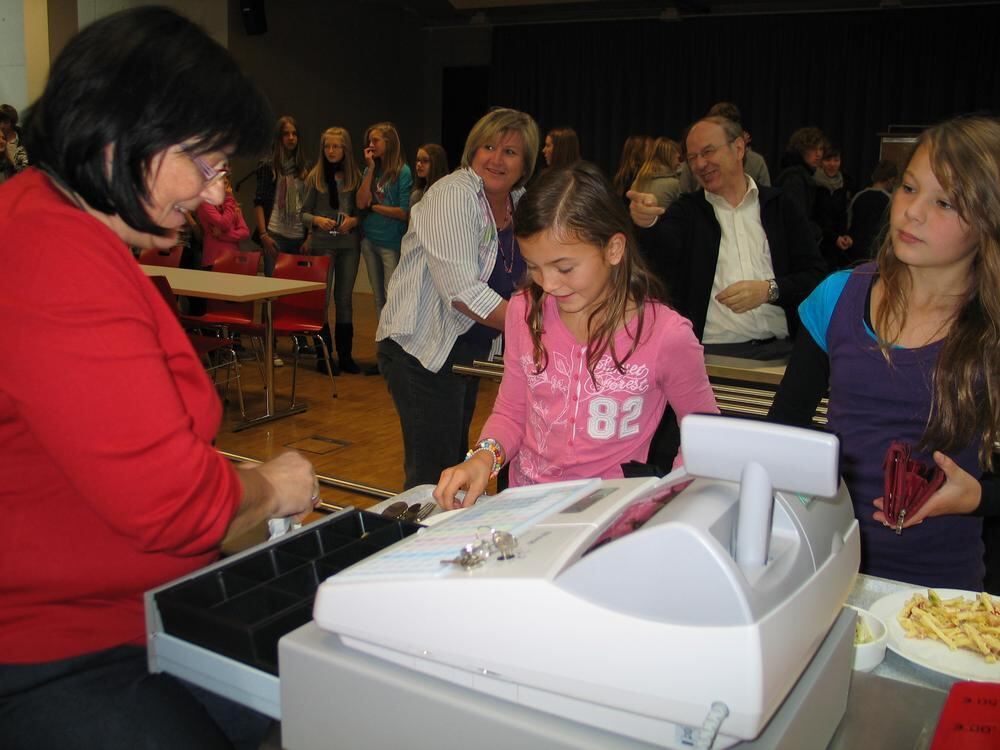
(242, 608)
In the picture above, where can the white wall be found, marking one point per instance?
(13, 69)
(211, 14)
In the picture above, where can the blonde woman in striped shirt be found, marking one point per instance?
(446, 302)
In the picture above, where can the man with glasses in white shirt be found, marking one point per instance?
(737, 258)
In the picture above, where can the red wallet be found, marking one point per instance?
(908, 484)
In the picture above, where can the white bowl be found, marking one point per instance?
(869, 655)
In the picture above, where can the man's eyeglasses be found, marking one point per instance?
(209, 173)
(706, 153)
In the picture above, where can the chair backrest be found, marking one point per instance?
(163, 286)
(245, 263)
(238, 262)
(154, 256)
(302, 268)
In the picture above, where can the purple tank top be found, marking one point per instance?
(872, 404)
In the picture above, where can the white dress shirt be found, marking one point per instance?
(744, 255)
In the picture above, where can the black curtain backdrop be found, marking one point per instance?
(851, 74)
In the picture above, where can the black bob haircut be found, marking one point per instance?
(140, 81)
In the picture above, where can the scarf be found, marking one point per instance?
(288, 197)
(330, 177)
(830, 183)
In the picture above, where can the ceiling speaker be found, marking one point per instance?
(254, 16)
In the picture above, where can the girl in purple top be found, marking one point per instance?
(591, 356)
(910, 348)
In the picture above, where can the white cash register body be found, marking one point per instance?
(717, 598)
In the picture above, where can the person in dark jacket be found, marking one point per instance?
(798, 166)
(868, 212)
(832, 196)
(737, 258)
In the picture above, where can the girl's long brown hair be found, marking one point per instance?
(352, 177)
(664, 155)
(578, 202)
(278, 151)
(438, 166)
(965, 405)
(634, 153)
(565, 147)
(394, 160)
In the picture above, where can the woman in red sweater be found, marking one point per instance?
(109, 483)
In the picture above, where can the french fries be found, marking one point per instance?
(957, 623)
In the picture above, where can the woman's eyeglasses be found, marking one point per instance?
(209, 173)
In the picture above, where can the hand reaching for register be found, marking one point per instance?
(283, 487)
(472, 476)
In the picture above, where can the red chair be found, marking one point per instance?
(219, 312)
(301, 316)
(154, 256)
(213, 351)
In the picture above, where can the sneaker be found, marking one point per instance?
(279, 362)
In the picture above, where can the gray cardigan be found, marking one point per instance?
(318, 204)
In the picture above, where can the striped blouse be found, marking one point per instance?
(447, 255)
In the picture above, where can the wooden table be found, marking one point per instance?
(232, 287)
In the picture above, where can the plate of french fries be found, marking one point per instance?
(954, 632)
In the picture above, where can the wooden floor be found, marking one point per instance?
(354, 436)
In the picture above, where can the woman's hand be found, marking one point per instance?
(269, 245)
(471, 475)
(370, 157)
(282, 487)
(959, 495)
(324, 224)
(347, 224)
(294, 488)
(644, 209)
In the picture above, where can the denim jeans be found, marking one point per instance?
(380, 263)
(340, 280)
(435, 408)
(108, 700)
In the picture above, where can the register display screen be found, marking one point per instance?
(581, 505)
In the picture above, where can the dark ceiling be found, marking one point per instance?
(436, 13)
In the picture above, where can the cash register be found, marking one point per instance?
(701, 609)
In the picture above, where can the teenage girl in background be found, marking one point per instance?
(910, 348)
(385, 193)
(634, 153)
(431, 165)
(592, 356)
(280, 189)
(330, 212)
(561, 148)
(660, 173)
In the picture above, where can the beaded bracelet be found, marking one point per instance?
(491, 445)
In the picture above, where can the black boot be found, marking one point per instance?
(343, 334)
(320, 359)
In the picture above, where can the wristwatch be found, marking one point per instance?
(772, 291)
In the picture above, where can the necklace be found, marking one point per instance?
(507, 257)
